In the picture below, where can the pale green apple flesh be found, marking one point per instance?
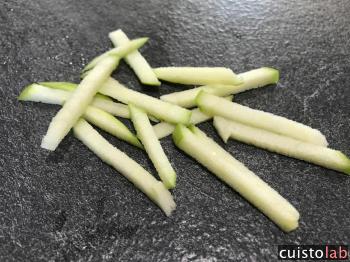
(153, 106)
(283, 145)
(135, 60)
(152, 146)
(240, 178)
(77, 103)
(164, 129)
(118, 52)
(214, 105)
(251, 79)
(197, 75)
(135, 173)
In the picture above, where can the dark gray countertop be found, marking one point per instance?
(68, 205)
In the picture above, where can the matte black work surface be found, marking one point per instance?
(68, 205)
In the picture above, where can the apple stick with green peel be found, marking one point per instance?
(164, 129)
(82, 96)
(284, 145)
(197, 75)
(120, 52)
(135, 60)
(77, 103)
(135, 173)
(96, 116)
(52, 95)
(100, 101)
(152, 146)
(236, 175)
(214, 105)
(153, 106)
(252, 79)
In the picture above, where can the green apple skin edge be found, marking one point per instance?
(252, 79)
(214, 105)
(77, 103)
(164, 129)
(152, 146)
(135, 60)
(241, 179)
(66, 86)
(135, 173)
(283, 145)
(119, 52)
(197, 75)
(153, 106)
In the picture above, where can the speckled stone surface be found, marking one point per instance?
(69, 206)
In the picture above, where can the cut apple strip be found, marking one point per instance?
(135, 60)
(119, 52)
(69, 87)
(287, 146)
(77, 103)
(240, 178)
(136, 174)
(38, 93)
(152, 146)
(153, 106)
(164, 129)
(96, 116)
(251, 79)
(110, 124)
(214, 105)
(197, 75)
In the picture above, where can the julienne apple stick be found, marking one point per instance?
(100, 101)
(198, 75)
(251, 79)
(82, 96)
(161, 110)
(319, 155)
(120, 52)
(77, 103)
(152, 146)
(95, 115)
(214, 105)
(237, 176)
(135, 60)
